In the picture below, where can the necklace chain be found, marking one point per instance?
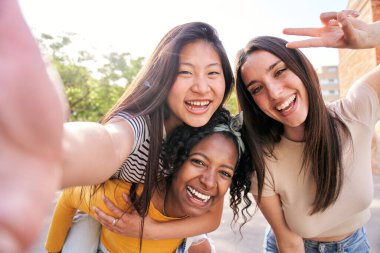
(163, 207)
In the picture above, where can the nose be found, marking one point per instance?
(208, 179)
(201, 85)
(274, 90)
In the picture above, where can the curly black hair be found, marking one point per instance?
(177, 149)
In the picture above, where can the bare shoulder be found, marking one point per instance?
(122, 135)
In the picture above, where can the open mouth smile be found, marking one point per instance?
(197, 195)
(197, 105)
(287, 104)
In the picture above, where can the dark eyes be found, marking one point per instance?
(197, 162)
(200, 163)
(184, 72)
(279, 72)
(256, 89)
(225, 174)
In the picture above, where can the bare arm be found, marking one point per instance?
(340, 30)
(373, 79)
(129, 224)
(31, 119)
(93, 152)
(187, 227)
(287, 241)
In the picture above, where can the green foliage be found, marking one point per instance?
(89, 97)
(232, 104)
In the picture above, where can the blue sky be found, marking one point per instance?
(137, 26)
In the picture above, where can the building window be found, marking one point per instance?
(330, 92)
(324, 81)
(331, 69)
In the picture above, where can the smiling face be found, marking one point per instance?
(204, 177)
(277, 91)
(199, 87)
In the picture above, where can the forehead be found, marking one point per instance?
(259, 59)
(199, 49)
(217, 146)
(258, 63)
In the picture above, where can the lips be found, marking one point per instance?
(197, 106)
(197, 196)
(287, 104)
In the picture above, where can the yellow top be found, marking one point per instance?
(71, 200)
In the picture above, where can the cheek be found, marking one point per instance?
(219, 88)
(223, 187)
(179, 88)
(174, 97)
(261, 102)
(173, 92)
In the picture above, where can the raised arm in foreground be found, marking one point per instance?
(31, 123)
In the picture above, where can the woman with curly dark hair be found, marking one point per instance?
(198, 178)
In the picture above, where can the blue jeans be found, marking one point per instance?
(355, 243)
(83, 236)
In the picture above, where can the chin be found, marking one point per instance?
(197, 122)
(198, 212)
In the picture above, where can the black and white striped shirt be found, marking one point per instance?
(134, 167)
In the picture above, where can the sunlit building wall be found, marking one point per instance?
(329, 82)
(354, 63)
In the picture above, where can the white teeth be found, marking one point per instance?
(286, 103)
(198, 103)
(199, 195)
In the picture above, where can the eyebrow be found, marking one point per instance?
(267, 70)
(205, 157)
(192, 65)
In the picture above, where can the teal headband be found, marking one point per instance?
(234, 127)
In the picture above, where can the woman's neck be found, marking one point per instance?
(296, 134)
(171, 123)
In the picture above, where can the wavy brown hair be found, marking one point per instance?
(323, 144)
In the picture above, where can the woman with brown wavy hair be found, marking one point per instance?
(312, 161)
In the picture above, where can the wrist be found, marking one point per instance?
(374, 37)
(149, 231)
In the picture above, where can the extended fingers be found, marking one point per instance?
(305, 43)
(111, 206)
(102, 217)
(107, 221)
(312, 32)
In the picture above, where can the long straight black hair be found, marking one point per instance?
(147, 94)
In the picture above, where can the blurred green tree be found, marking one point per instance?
(91, 91)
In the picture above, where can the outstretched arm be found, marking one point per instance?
(372, 78)
(31, 120)
(92, 152)
(340, 30)
(129, 224)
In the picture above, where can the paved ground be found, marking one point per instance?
(227, 241)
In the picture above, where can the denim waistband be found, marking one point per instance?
(337, 246)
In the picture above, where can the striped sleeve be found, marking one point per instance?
(133, 168)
